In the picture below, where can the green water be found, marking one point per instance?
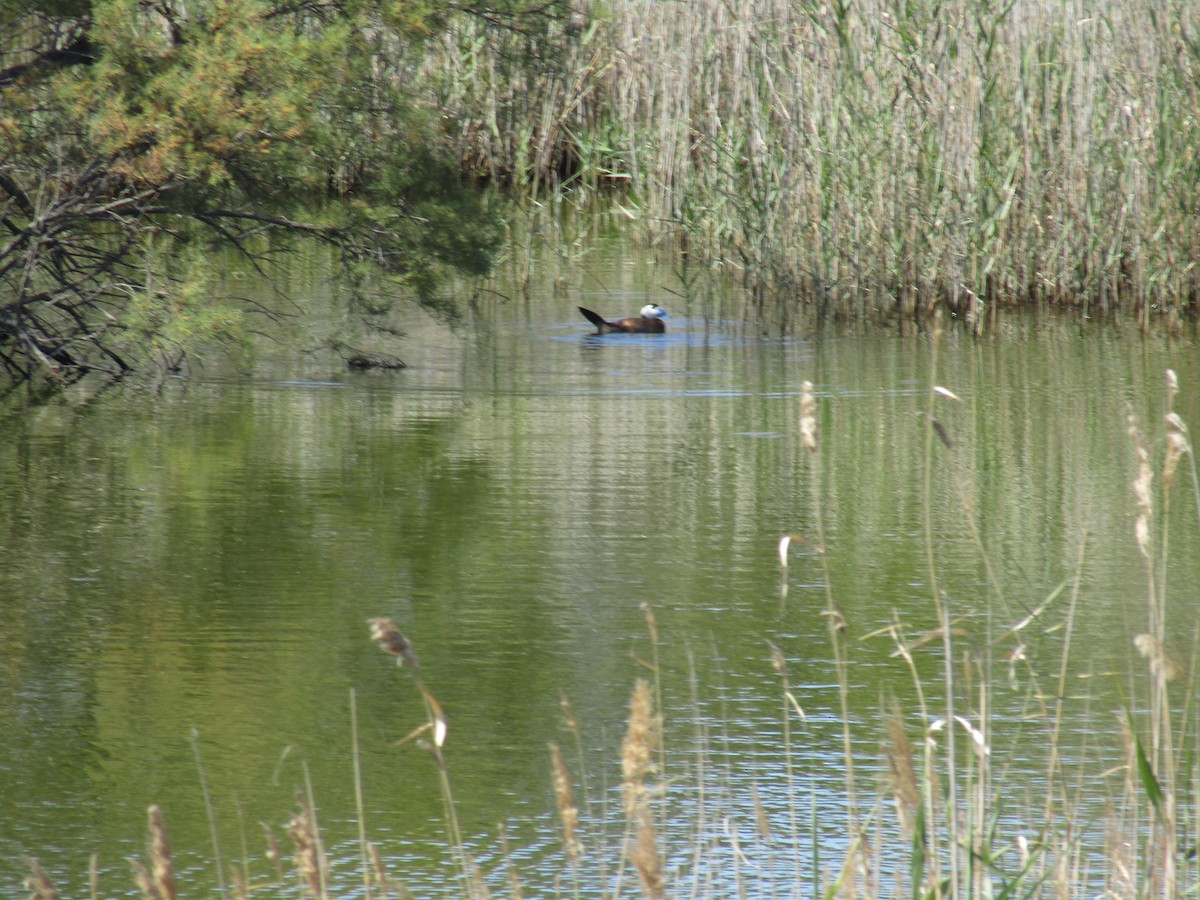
(187, 572)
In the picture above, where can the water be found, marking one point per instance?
(187, 573)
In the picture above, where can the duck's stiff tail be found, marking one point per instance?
(595, 318)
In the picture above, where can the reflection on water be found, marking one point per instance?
(207, 557)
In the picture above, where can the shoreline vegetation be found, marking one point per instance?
(869, 160)
(936, 812)
(867, 156)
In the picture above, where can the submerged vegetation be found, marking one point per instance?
(947, 805)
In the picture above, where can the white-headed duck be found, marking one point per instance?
(649, 321)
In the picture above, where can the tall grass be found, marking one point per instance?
(873, 158)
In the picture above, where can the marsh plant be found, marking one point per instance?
(945, 807)
(870, 158)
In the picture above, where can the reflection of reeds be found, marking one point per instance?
(942, 842)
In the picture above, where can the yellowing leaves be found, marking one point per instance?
(218, 100)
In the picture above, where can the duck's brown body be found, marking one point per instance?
(642, 324)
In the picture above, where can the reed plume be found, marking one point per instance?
(637, 750)
(39, 883)
(160, 855)
(568, 813)
(391, 641)
(272, 852)
(301, 828)
(645, 855)
(902, 774)
(641, 738)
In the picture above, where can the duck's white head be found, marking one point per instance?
(654, 311)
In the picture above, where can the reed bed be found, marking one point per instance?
(866, 159)
(939, 810)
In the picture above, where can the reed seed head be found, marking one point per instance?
(778, 662)
(144, 882)
(1142, 484)
(568, 812)
(272, 852)
(641, 736)
(39, 883)
(1162, 664)
(651, 622)
(160, 855)
(902, 774)
(564, 703)
(301, 830)
(645, 856)
(390, 640)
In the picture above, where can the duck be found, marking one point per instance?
(648, 321)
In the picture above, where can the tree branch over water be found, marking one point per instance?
(140, 142)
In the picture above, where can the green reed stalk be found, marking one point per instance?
(779, 663)
(194, 740)
(385, 633)
(359, 805)
(942, 612)
(835, 622)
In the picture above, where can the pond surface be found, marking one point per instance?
(187, 574)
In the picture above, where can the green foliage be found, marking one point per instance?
(211, 123)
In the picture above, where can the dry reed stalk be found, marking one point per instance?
(310, 866)
(902, 774)
(568, 813)
(145, 883)
(572, 725)
(514, 880)
(1141, 492)
(159, 851)
(1162, 665)
(477, 888)
(645, 853)
(272, 852)
(835, 621)
(377, 869)
(762, 824)
(39, 882)
(391, 641)
(1121, 871)
(779, 664)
